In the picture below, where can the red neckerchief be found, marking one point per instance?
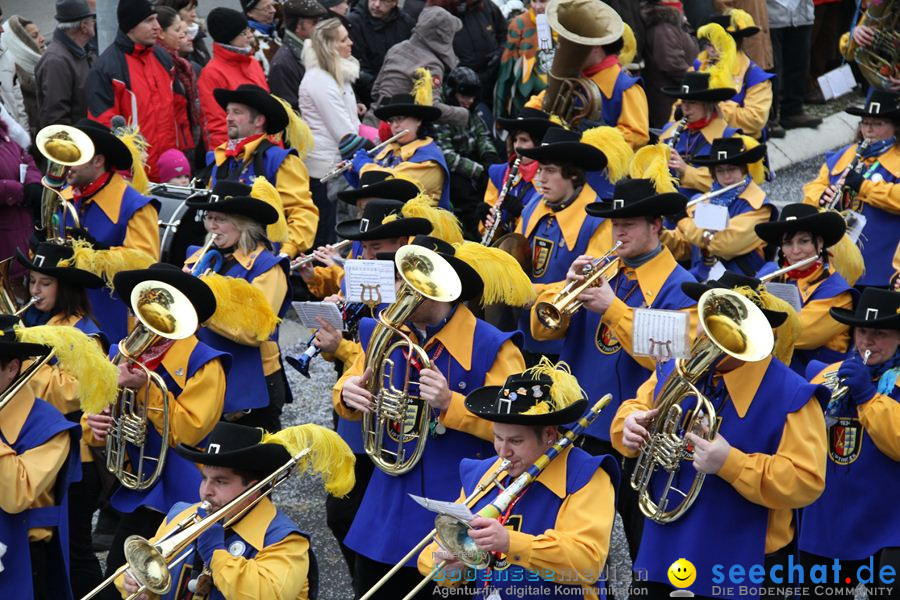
(91, 188)
(700, 124)
(153, 355)
(805, 272)
(610, 60)
(673, 4)
(414, 359)
(527, 172)
(239, 147)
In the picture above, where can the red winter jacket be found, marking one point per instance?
(136, 82)
(226, 69)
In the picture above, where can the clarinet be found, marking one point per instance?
(352, 312)
(839, 184)
(679, 129)
(488, 238)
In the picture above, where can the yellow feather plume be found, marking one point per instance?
(444, 224)
(757, 169)
(611, 142)
(106, 263)
(629, 49)
(787, 334)
(265, 191)
(740, 19)
(564, 391)
(297, 134)
(329, 455)
(422, 90)
(846, 259)
(557, 120)
(240, 308)
(721, 74)
(504, 280)
(137, 146)
(652, 162)
(80, 357)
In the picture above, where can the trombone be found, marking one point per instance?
(345, 165)
(150, 562)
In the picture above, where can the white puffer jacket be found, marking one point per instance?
(10, 91)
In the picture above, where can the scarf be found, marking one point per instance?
(21, 46)
(610, 60)
(236, 50)
(527, 172)
(886, 373)
(184, 74)
(268, 30)
(235, 147)
(700, 124)
(635, 262)
(725, 199)
(83, 193)
(804, 272)
(874, 149)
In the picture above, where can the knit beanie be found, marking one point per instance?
(132, 12)
(225, 24)
(172, 163)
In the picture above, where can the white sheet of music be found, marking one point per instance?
(787, 292)
(856, 222)
(661, 334)
(453, 509)
(370, 281)
(711, 216)
(308, 311)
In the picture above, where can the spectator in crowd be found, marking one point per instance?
(196, 33)
(174, 168)
(266, 41)
(132, 78)
(630, 12)
(479, 43)
(232, 64)
(339, 9)
(62, 72)
(188, 115)
(759, 46)
(376, 27)
(791, 30)
(10, 90)
(831, 19)
(286, 69)
(23, 40)
(669, 51)
(329, 107)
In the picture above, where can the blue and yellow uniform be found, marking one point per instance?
(692, 143)
(523, 187)
(421, 161)
(749, 109)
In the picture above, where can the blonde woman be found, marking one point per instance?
(328, 104)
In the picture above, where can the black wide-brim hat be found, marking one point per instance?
(729, 281)
(233, 198)
(237, 447)
(47, 256)
(729, 151)
(257, 98)
(375, 183)
(112, 148)
(803, 217)
(530, 120)
(561, 146)
(404, 105)
(472, 284)
(10, 347)
(196, 291)
(637, 198)
(695, 86)
(727, 25)
(881, 104)
(876, 309)
(506, 403)
(370, 227)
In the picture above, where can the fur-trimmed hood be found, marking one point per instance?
(349, 66)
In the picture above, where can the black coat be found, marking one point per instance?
(286, 71)
(479, 43)
(371, 40)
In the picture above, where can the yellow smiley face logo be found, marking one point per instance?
(682, 573)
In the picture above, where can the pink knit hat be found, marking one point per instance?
(172, 163)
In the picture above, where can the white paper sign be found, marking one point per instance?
(787, 292)
(662, 334)
(711, 216)
(837, 82)
(370, 281)
(452, 509)
(856, 222)
(308, 311)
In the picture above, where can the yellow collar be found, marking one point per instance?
(742, 384)
(890, 160)
(246, 152)
(571, 218)
(456, 336)
(15, 413)
(606, 79)
(652, 275)
(553, 476)
(240, 255)
(754, 195)
(714, 130)
(809, 284)
(175, 360)
(59, 319)
(405, 151)
(253, 526)
(109, 199)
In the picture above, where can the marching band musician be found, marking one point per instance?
(870, 187)
(237, 217)
(113, 215)
(251, 114)
(466, 353)
(700, 96)
(194, 374)
(624, 103)
(38, 461)
(801, 232)
(414, 155)
(768, 455)
(863, 449)
(737, 159)
(562, 523)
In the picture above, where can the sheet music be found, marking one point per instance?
(711, 216)
(856, 222)
(837, 82)
(787, 292)
(370, 281)
(452, 509)
(308, 311)
(662, 334)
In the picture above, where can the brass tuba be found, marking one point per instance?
(881, 60)
(63, 146)
(162, 311)
(733, 325)
(398, 413)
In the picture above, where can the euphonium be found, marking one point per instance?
(556, 313)
(732, 325)
(162, 311)
(397, 412)
(879, 61)
(64, 147)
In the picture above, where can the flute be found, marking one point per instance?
(711, 195)
(299, 262)
(345, 165)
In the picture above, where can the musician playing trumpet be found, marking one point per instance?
(869, 171)
(863, 448)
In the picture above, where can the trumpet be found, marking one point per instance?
(839, 389)
(305, 260)
(711, 195)
(345, 165)
(556, 313)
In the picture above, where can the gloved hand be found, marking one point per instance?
(854, 181)
(512, 206)
(211, 540)
(360, 159)
(83, 234)
(858, 379)
(352, 142)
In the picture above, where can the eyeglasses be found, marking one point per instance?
(217, 219)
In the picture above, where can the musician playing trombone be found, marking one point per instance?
(560, 525)
(869, 171)
(766, 458)
(863, 419)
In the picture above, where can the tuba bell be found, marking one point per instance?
(399, 414)
(162, 311)
(732, 325)
(63, 146)
(880, 61)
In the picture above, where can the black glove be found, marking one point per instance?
(480, 181)
(482, 211)
(853, 181)
(31, 199)
(79, 233)
(513, 206)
